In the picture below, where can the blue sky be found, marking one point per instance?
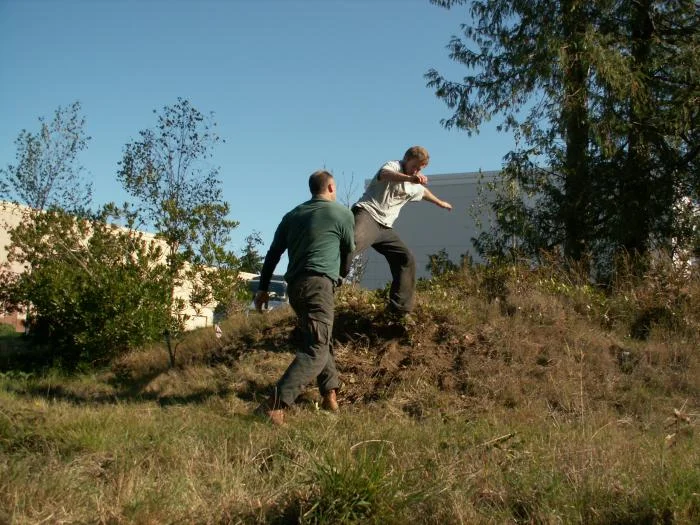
(294, 86)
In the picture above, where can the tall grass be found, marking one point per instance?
(535, 404)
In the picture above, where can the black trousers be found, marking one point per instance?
(311, 296)
(402, 264)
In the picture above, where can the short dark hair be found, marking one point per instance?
(318, 181)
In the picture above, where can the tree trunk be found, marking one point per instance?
(576, 130)
(637, 178)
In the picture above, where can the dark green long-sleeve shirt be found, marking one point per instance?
(318, 234)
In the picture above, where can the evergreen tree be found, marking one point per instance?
(251, 260)
(647, 114)
(602, 98)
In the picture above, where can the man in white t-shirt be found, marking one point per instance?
(395, 184)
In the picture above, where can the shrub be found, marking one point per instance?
(7, 330)
(95, 290)
(659, 295)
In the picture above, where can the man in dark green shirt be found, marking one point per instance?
(318, 236)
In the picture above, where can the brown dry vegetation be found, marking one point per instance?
(517, 396)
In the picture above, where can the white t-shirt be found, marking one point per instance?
(383, 199)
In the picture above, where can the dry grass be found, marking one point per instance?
(518, 397)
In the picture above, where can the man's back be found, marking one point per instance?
(315, 233)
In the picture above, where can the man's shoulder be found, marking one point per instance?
(393, 165)
(295, 212)
(340, 210)
(301, 206)
(323, 206)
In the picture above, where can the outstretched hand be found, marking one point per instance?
(446, 205)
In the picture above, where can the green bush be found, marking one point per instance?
(660, 295)
(96, 290)
(7, 330)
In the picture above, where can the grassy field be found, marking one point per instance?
(517, 397)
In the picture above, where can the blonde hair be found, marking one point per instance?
(417, 152)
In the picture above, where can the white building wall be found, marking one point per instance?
(426, 229)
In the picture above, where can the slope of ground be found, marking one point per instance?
(512, 397)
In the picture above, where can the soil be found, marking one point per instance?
(376, 356)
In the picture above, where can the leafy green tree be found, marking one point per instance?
(96, 290)
(647, 114)
(510, 233)
(178, 193)
(602, 99)
(47, 174)
(529, 56)
(251, 260)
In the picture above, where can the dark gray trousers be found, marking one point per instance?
(402, 264)
(311, 296)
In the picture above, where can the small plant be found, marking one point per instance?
(494, 281)
(360, 488)
(660, 295)
(7, 330)
(440, 264)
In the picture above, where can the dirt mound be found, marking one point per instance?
(456, 358)
(375, 356)
(451, 358)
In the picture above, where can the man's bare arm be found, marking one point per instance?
(428, 196)
(396, 176)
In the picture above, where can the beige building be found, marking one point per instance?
(427, 229)
(11, 216)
